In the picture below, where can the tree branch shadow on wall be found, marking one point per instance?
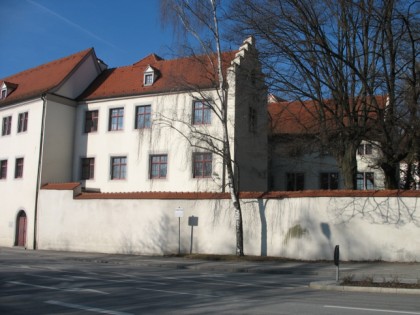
(160, 237)
(377, 210)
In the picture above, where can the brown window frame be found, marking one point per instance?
(91, 121)
(87, 168)
(200, 162)
(19, 164)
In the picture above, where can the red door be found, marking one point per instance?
(21, 229)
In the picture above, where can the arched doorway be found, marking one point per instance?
(21, 222)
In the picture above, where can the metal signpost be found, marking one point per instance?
(192, 221)
(179, 213)
(337, 261)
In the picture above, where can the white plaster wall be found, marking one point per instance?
(81, 77)
(19, 193)
(58, 142)
(138, 145)
(300, 228)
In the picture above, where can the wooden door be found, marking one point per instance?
(21, 229)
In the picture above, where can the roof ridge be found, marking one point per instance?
(46, 64)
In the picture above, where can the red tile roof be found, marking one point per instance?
(173, 75)
(36, 81)
(303, 117)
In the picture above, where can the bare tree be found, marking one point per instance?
(336, 58)
(200, 21)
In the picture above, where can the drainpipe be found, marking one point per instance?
(39, 169)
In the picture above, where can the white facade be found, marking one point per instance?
(44, 148)
(56, 141)
(304, 227)
(137, 145)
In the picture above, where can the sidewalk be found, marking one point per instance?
(325, 271)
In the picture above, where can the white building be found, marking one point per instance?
(125, 129)
(296, 161)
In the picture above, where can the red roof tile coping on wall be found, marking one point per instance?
(253, 195)
(60, 186)
(243, 195)
(155, 195)
(36, 81)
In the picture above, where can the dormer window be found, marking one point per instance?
(6, 89)
(150, 75)
(148, 79)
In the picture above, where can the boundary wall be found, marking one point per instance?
(376, 225)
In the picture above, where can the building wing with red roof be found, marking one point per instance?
(45, 78)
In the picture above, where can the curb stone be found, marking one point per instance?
(333, 286)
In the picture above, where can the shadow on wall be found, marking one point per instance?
(261, 208)
(159, 237)
(380, 210)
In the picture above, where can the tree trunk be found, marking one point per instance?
(348, 164)
(391, 171)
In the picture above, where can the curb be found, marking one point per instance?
(333, 286)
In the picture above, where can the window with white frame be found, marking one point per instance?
(19, 168)
(364, 149)
(116, 119)
(148, 78)
(365, 180)
(6, 126)
(22, 122)
(143, 114)
(201, 113)
(3, 169)
(202, 164)
(118, 167)
(158, 166)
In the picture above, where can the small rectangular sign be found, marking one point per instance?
(193, 221)
(179, 212)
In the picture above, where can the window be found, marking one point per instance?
(88, 168)
(295, 181)
(3, 169)
(19, 168)
(23, 122)
(329, 180)
(91, 121)
(252, 119)
(116, 119)
(158, 166)
(202, 165)
(202, 113)
(365, 181)
(7, 126)
(118, 167)
(148, 78)
(364, 149)
(143, 117)
(3, 93)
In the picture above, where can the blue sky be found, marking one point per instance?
(122, 32)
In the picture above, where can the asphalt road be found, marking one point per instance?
(33, 283)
